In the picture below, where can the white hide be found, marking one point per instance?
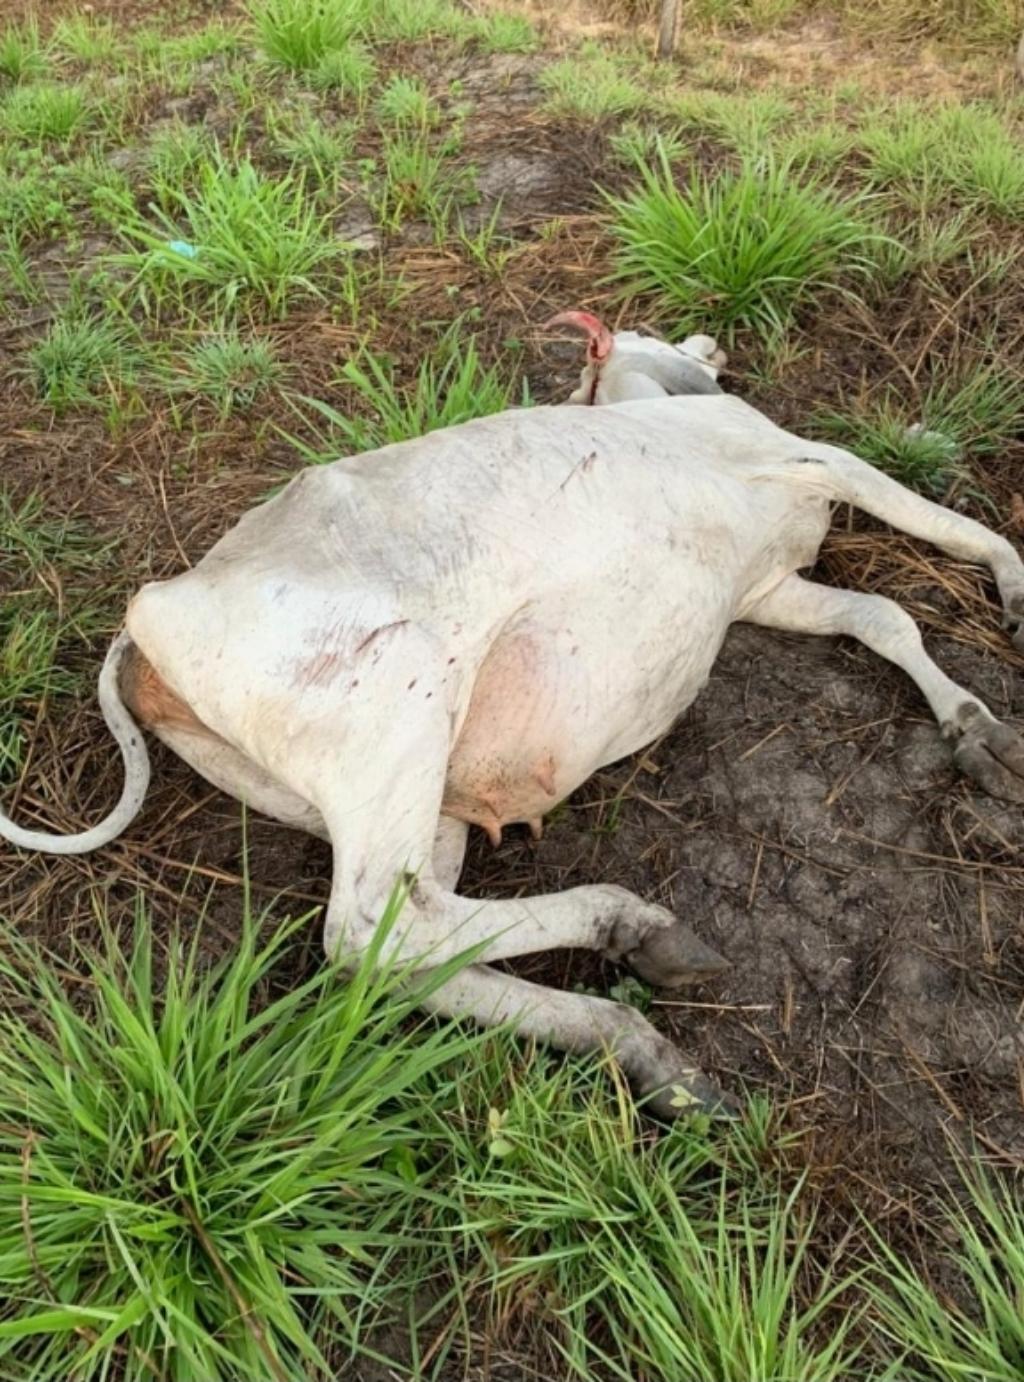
(645, 367)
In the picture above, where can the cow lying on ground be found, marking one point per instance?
(459, 630)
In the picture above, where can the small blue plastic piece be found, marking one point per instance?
(183, 248)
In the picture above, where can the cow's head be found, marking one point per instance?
(627, 365)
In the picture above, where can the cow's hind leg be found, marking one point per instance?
(986, 750)
(846, 477)
(655, 1067)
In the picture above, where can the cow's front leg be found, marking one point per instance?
(660, 1074)
(987, 750)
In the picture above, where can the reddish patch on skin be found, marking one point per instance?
(152, 702)
(599, 339)
(318, 671)
(327, 663)
(384, 628)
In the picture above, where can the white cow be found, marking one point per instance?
(460, 629)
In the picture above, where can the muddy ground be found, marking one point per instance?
(804, 816)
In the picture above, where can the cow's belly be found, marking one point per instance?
(553, 701)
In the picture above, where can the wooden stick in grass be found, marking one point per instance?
(668, 28)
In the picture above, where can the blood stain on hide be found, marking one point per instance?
(384, 628)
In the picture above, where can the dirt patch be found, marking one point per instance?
(806, 819)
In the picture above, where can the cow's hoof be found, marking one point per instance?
(991, 753)
(1013, 620)
(671, 956)
(692, 1093)
(668, 1086)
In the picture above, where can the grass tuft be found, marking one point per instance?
(298, 34)
(175, 154)
(86, 38)
(406, 101)
(452, 385)
(203, 1178)
(32, 203)
(736, 249)
(350, 71)
(22, 53)
(414, 180)
(312, 145)
(981, 1335)
(238, 235)
(505, 33)
(45, 110)
(79, 362)
(411, 21)
(592, 85)
(749, 123)
(927, 154)
(678, 1257)
(231, 370)
(976, 412)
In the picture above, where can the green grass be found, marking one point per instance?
(980, 1334)
(350, 71)
(238, 235)
(411, 21)
(927, 242)
(928, 153)
(486, 247)
(748, 123)
(208, 1177)
(819, 143)
(45, 111)
(593, 85)
(324, 151)
(415, 180)
(298, 34)
(737, 249)
(174, 156)
(643, 144)
(22, 52)
(640, 1258)
(451, 385)
(16, 275)
(33, 202)
(973, 413)
(406, 101)
(230, 370)
(505, 33)
(80, 361)
(218, 37)
(33, 546)
(85, 37)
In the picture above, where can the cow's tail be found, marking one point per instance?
(136, 772)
